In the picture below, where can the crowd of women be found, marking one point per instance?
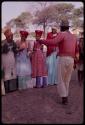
(21, 62)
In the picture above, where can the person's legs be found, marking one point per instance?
(13, 85)
(25, 78)
(56, 71)
(20, 82)
(54, 67)
(29, 81)
(38, 82)
(68, 72)
(68, 75)
(65, 67)
(61, 72)
(10, 85)
(44, 81)
(50, 69)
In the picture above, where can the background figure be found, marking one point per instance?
(80, 66)
(52, 58)
(2, 82)
(39, 70)
(8, 62)
(23, 61)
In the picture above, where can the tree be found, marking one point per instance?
(10, 23)
(77, 23)
(78, 12)
(53, 13)
(21, 21)
(26, 17)
(41, 16)
(77, 17)
(62, 11)
(57, 12)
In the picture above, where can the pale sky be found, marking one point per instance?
(11, 10)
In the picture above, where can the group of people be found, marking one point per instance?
(21, 62)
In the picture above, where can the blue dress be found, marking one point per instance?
(52, 69)
(23, 68)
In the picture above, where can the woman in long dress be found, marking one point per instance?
(23, 61)
(39, 69)
(52, 59)
(8, 62)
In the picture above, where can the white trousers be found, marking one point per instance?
(65, 68)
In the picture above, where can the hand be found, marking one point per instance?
(76, 60)
(77, 56)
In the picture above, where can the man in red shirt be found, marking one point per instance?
(51, 58)
(68, 49)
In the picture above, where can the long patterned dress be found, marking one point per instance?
(9, 65)
(52, 60)
(23, 68)
(39, 69)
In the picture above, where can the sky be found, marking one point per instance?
(11, 10)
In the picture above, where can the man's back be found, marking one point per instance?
(67, 44)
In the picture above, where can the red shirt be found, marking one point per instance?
(51, 49)
(67, 43)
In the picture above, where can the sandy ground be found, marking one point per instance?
(43, 105)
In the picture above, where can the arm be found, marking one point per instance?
(34, 47)
(49, 36)
(54, 41)
(29, 49)
(14, 47)
(5, 49)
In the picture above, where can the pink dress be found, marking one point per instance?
(38, 61)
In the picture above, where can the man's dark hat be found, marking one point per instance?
(64, 23)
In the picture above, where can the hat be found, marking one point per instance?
(24, 33)
(64, 23)
(38, 32)
(8, 32)
(54, 27)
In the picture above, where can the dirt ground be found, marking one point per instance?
(43, 105)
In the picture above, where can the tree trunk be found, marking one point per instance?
(44, 26)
